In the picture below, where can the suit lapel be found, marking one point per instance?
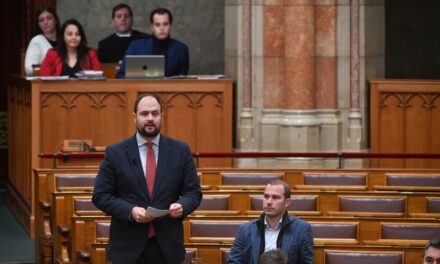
(132, 151)
(162, 161)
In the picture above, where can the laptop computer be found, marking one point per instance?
(144, 66)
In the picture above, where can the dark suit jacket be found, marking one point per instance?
(121, 185)
(295, 240)
(177, 60)
(112, 48)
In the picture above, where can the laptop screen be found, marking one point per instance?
(144, 66)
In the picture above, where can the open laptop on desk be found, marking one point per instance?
(144, 66)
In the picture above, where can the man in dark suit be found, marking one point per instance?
(123, 189)
(112, 48)
(176, 53)
(275, 229)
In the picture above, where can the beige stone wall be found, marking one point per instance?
(302, 76)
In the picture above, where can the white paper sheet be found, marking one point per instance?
(155, 212)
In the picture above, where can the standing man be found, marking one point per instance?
(176, 53)
(112, 48)
(274, 229)
(147, 170)
(432, 252)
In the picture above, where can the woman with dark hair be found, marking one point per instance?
(72, 54)
(47, 26)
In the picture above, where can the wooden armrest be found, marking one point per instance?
(83, 257)
(102, 239)
(45, 205)
(205, 187)
(365, 214)
(425, 215)
(221, 240)
(406, 188)
(76, 189)
(332, 187)
(241, 187)
(215, 212)
(335, 241)
(63, 230)
(396, 242)
(92, 213)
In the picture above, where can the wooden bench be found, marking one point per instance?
(247, 181)
(410, 182)
(65, 206)
(432, 209)
(334, 181)
(209, 231)
(96, 231)
(48, 181)
(376, 257)
(406, 234)
(335, 233)
(215, 204)
(371, 206)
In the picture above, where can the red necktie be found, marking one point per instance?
(151, 168)
(150, 175)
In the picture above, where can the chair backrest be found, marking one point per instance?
(214, 202)
(362, 257)
(74, 181)
(427, 180)
(249, 178)
(372, 204)
(409, 231)
(85, 206)
(102, 231)
(335, 229)
(211, 228)
(335, 179)
(433, 204)
(299, 202)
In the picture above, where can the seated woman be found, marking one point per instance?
(71, 55)
(46, 28)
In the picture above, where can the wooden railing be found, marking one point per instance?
(66, 156)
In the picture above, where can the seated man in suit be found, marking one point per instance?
(432, 252)
(176, 53)
(112, 48)
(274, 229)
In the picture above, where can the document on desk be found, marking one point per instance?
(155, 212)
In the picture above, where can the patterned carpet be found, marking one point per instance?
(15, 244)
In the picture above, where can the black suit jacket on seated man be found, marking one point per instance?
(112, 48)
(120, 185)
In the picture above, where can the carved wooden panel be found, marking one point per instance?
(405, 118)
(42, 114)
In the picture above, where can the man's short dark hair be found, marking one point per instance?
(161, 11)
(121, 6)
(274, 256)
(284, 184)
(139, 98)
(435, 243)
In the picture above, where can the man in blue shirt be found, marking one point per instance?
(176, 53)
(275, 229)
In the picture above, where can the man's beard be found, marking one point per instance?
(145, 134)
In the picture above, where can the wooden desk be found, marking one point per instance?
(42, 114)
